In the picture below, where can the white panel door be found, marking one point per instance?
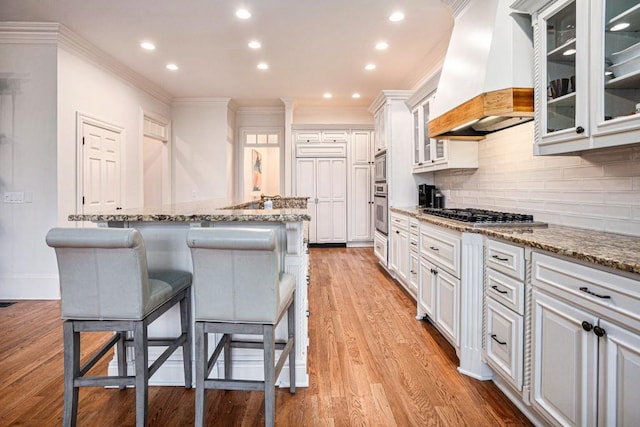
(360, 212)
(306, 187)
(426, 289)
(564, 362)
(100, 168)
(447, 315)
(331, 186)
(619, 383)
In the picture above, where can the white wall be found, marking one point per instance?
(28, 164)
(598, 190)
(200, 147)
(86, 88)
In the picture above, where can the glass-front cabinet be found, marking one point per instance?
(428, 153)
(617, 72)
(588, 73)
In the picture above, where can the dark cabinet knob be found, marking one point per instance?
(587, 326)
(579, 129)
(599, 331)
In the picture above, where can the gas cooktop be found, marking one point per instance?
(484, 218)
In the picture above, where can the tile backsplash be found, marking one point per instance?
(598, 190)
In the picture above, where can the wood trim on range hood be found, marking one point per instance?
(504, 103)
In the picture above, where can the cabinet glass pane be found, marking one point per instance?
(561, 69)
(416, 137)
(426, 142)
(621, 58)
(439, 149)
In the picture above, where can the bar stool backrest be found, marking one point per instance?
(236, 274)
(103, 273)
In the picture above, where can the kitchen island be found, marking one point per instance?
(164, 230)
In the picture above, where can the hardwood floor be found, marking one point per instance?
(371, 363)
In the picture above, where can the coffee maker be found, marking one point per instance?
(426, 195)
(430, 197)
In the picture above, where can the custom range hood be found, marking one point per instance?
(487, 76)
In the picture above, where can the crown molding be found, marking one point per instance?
(389, 95)
(29, 32)
(260, 110)
(457, 6)
(57, 34)
(423, 91)
(201, 102)
(529, 6)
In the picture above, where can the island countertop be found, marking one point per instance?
(285, 209)
(612, 250)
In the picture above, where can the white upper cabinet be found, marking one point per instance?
(587, 73)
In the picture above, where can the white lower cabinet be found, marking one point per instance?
(399, 262)
(564, 362)
(586, 344)
(438, 289)
(447, 305)
(619, 382)
(380, 247)
(504, 342)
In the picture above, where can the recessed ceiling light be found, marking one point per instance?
(382, 45)
(254, 44)
(263, 66)
(569, 52)
(370, 67)
(396, 16)
(243, 14)
(355, 95)
(620, 26)
(147, 46)
(172, 67)
(327, 95)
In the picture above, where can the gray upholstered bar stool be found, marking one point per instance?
(239, 288)
(105, 286)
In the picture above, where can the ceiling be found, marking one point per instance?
(311, 46)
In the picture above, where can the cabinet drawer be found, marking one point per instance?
(308, 136)
(506, 258)
(441, 247)
(335, 136)
(604, 293)
(414, 227)
(505, 342)
(399, 221)
(413, 244)
(506, 290)
(380, 247)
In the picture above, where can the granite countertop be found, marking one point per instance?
(607, 249)
(286, 209)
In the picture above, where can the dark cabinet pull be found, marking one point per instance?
(497, 289)
(499, 258)
(587, 291)
(397, 232)
(495, 338)
(579, 129)
(599, 331)
(433, 248)
(587, 326)
(434, 271)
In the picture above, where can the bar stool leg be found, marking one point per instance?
(269, 375)
(142, 373)
(122, 357)
(227, 356)
(291, 333)
(201, 369)
(185, 320)
(71, 345)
